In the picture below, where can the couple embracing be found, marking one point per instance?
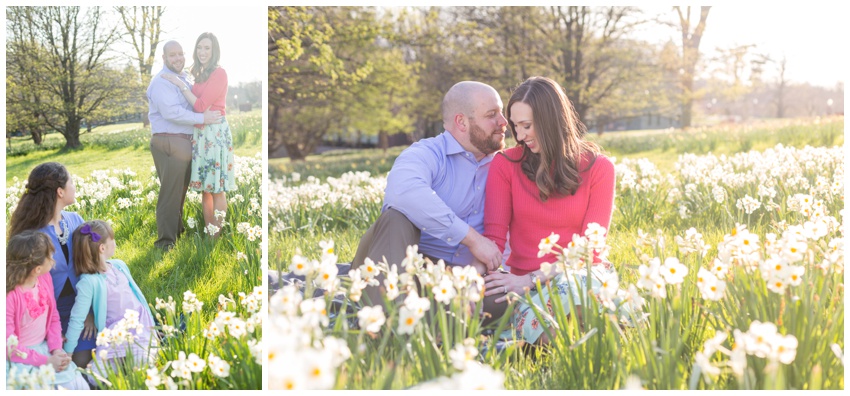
(191, 141)
(460, 196)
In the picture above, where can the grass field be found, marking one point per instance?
(116, 182)
(777, 186)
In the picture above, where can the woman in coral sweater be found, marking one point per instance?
(552, 182)
(213, 172)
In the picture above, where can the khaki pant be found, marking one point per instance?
(389, 237)
(172, 157)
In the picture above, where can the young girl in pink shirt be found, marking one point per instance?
(33, 332)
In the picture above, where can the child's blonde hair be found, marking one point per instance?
(25, 251)
(88, 238)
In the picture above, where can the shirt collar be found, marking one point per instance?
(454, 147)
(182, 75)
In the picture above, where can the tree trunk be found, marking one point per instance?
(687, 103)
(295, 153)
(780, 90)
(72, 133)
(37, 135)
(690, 56)
(384, 140)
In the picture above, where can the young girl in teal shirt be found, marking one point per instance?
(121, 313)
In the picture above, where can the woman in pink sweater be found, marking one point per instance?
(213, 161)
(552, 182)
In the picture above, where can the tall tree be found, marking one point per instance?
(781, 88)
(320, 67)
(74, 78)
(445, 45)
(142, 28)
(690, 56)
(385, 99)
(23, 101)
(589, 51)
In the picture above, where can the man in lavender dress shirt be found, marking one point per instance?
(172, 121)
(435, 189)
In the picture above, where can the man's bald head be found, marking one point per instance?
(169, 43)
(462, 98)
(172, 56)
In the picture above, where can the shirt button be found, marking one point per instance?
(457, 254)
(479, 187)
(476, 212)
(448, 239)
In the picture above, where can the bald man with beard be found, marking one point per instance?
(435, 189)
(172, 121)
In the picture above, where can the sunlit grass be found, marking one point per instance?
(119, 145)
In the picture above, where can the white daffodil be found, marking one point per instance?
(673, 271)
(444, 292)
(371, 318)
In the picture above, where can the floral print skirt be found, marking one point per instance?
(525, 324)
(213, 166)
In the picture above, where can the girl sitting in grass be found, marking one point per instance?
(121, 314)
(33, 332)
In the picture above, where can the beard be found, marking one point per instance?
(483, 141)
(175, 70)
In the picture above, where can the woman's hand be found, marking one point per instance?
(497, 282)
(172, 78)
(89, 329)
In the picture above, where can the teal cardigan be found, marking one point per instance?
(91, 293)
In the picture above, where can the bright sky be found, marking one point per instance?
(811, 36)
(242, 34)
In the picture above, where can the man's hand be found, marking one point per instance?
(212, 117)
(479, 266)
(483, 249)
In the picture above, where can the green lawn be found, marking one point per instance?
(120, 146)
(662, 147)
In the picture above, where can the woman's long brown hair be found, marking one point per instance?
(200, 72)
(559, 133)
(25, 251)
(38, 203)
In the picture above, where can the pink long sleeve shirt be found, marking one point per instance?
(17, 310)
(513, 204)
(211, 94)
